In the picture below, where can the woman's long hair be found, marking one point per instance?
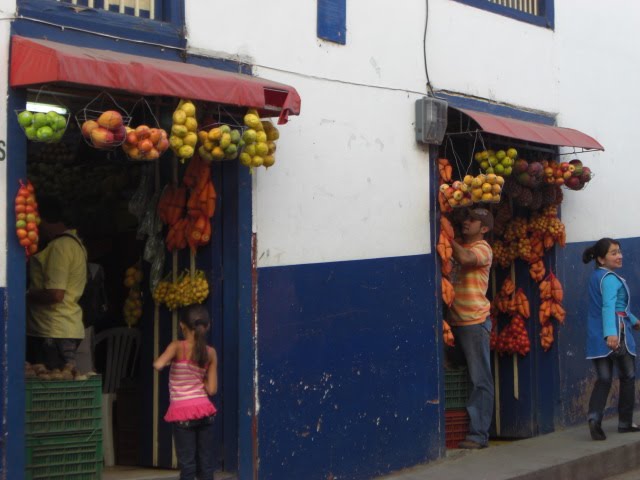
(598, 250)
(196, 319)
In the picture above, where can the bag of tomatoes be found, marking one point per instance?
(27, 218)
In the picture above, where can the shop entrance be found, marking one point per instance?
(112, 200)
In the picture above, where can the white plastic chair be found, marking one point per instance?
(122, 348)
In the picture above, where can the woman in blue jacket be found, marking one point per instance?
(609, 338)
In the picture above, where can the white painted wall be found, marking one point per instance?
(7, 10)
(350, 181)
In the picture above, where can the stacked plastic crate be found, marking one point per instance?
(456, 393)
(63, 429)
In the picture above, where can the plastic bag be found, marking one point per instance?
(139, 200)
(148, 223)
(157, 266)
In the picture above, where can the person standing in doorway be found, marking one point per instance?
(470, 321)
(57, 277)
(193, 378)
(609, 338)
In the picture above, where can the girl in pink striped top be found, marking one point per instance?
(192, 379)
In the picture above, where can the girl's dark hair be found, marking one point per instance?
(196, 318)
(598, 250)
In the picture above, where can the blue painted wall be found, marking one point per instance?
(576, 374)
(349, 367)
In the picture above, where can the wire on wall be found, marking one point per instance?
(424, 47)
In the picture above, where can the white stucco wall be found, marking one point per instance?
(7, 9)
(350, 181)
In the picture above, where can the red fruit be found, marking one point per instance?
(154, 135)
(143, 131)
(132, 138)
(21, 232)
(20, 200)
(25, 242)
(111, 120)
(101, 137)
(29, 209)
(88, 127)
(20, 208)
(145, 145)
(119, 135)
(33, 248)
(31, 226)
(33, 236)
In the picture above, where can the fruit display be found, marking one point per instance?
(132, 308)
(184, 136)
(573, 174)
(500, 162)
(445, 251)
(187, 290)
(68, 372)
(479, 189)
(259, 139)
(43, 127)
(448, 293)
(447, 334)
(528, 174)
(445, 170)
(220, 143)
(27, 218)
(145, 143)
(105, 132)
(514, 339)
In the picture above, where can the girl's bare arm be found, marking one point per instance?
(167, 356)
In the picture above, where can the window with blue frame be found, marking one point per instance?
(536, 12)
(154, 21)
(332, 20)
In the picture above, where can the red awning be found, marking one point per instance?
(532, 132)
(35, 62)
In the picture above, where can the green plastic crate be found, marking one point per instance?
(456, 388)
(64, 457)
(63, 406)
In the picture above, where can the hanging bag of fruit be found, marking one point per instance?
(27, 218)
(147, 141)
(45, 127)
(103, 122)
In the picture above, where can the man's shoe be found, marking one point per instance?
(632, 428)
(471, 445)
(596, 431)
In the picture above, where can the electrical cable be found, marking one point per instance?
(424, 47)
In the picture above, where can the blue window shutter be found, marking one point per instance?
(332, 20)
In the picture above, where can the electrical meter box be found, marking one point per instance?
(431, 120)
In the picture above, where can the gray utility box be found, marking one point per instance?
(431, 120)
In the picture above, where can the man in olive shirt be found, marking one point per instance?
(58, 275)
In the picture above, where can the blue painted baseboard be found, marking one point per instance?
(348, 361)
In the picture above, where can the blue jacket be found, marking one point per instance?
(599, 327)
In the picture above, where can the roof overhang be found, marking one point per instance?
(37, 62)
(531, 131)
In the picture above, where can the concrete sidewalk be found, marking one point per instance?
(564, 455)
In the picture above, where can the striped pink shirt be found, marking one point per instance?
(188, 397)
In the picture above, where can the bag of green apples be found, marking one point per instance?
(43, 127)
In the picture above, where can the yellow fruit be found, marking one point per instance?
(188, 108)
(491, 178)
(190, 139)
(257, 161)
(245, 159)
(129, 281)
(205, 154)
(179, 117)
(217, 153)
(261, 137)
(487, 197)
(269, 161)
(249, 136)
(458, 195)
(191, 123)
(496, 197)
(272, 147)
(250, 149)
(215, 134)
(175, 142)
(186, 151)
(203, 136)
(208, 146)
(476, 182)
(179, 130)
(500, 180)
(496, 188)
(225, 141)
(273, 134)
(467, 180)
(253, 121)
(486, 187)
(262, 149)
(139, 276)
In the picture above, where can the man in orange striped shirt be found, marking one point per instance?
(470, 322)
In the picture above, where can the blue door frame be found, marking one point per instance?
(238, 289)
